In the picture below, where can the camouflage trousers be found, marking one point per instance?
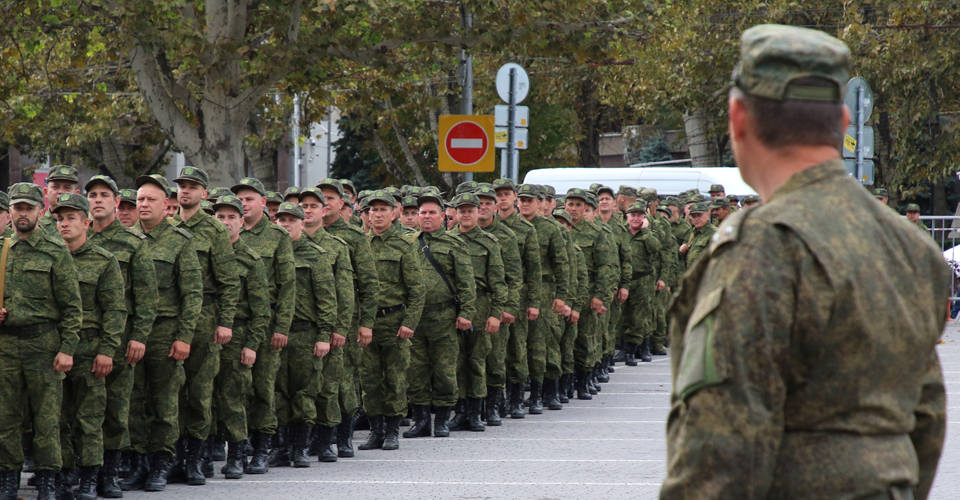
(383, 369)
(585, 345)
(328, 402)
(434, 348)
(518, 368)
(299, 379)
(201, 367)
(497, 359)
(82, 410)
(262, 407)
(349, 388)
(474, 348)
(158, 377)
(550, 327)
(233, 387)
(27, 377)
(568, 338)
(116, 418)
(536, 346)
(638, 310)
(659, 320)
(614, 331)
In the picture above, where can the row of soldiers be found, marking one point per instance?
(131, 326)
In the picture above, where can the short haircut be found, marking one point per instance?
(793, 122)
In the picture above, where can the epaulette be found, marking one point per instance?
(318, 247)
(278, 227)
(525, 221)
(56, 241)
(183, 231)
(356, 229)
(606, 228)
(337, 238)
(100, 251)
(134, 232)
(491, 236)
(221, 228)
(251, 252)
(729, 230)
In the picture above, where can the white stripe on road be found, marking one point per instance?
(498, 460)
(534, 439)
(427, 483)
(466, 143)
(532, 421)
(616, 407)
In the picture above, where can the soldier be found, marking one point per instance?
(770, 352)
(618, 238)
(750, 200)
(273, 199)
(272, 243)
(719, 211)
(643, 247)
(578, 297)
(913, 215)
(39, 326)
(501, 342)
(626, 196)
(484, 251)
(349, 203)
(5, 215)
(882, 195)
(140, 293)
(554, 291)
(399, 306)
(173, 204)
(734, 202)
(61, 179)
(702, 232)
(104, 314)
(127, 208)
(409, 216)
(221, 290)
(451, 215)
(666, 271)
(716, 192)
(679, 226)
(599, 259)
(449, 296)
(292, 194)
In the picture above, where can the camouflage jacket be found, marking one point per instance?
(316, 288)
(179, 282)
(254, 304)
(619, 236)
(273, 245)
(804, 370)
(644, 246)
(529, 246)
(339, 254)
(582, 276)
(364, 269)
(554, 263)
(450, 253)
(49, 224)
(512, 263)
(101, 290)
(484, 251)
(398, 272)
(699, 241)
(139, 278)
(599, 256)
(666, 265)
(218, 264)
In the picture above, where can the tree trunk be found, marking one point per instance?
(939, 198)
(588, 114)
(703, 150)
(262, 164)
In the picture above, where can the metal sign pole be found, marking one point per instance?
(512, 170)
(860, 113)
(466, 100)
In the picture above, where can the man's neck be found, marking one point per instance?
(504, 214)
(606, 216)
(100, 224)
(310, 230)
(466, 229)
(24, 236)
(249, 223)
(378, 232)
(327, 221)
(188, 213)
(234, 239)
(485, 223)
(149, 225)
(528, 218)
(76, 243)
(789, 161)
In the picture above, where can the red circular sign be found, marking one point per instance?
(467, 143)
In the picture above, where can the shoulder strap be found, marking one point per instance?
(436, 265)
(3, 268)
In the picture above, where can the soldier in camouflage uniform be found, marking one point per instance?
(221, 290)
(716, 192)
(127, 208)
(315, 319)
(39, 327)
(273, 199)
(719, 211)
(409, 216)
(386, 352)
(578, 297)
(104, 314)
(449, 308)
(644, 247)
(140, 292)
(913, 215)
(702, 232)
(792, 381)
(618, 238)
(666, 269)
(750, 200)
(154, 429)
(603, 320)
(234, 383)
(272, 243)
(62, 179)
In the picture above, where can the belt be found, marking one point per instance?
(641, 274)
(209, 299)
(429, 308)
(392, 309)
(302, 326)
(893, 493)
(89, 333)
(28, 332)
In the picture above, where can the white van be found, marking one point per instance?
(666, 180)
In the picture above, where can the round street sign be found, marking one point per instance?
(851, 99)
(522, 83)
(467, 143)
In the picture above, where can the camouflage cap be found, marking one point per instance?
(102, 179)
(26, 192)
(274, 197)
(700, 208)
(63, 173)
(548, 191)
(913, 207)
(664, 210)
(381, 195)
(576, 193)
(719, 203)
(173, 191)
(716, 188)
(4, 201)
(485, 184)
(594, 188)
(465, 199)
(592, 200)
(431, 190)
(528, 191)
(606, 189)
(415, 191)
(314, 192)
(128, 196)
(486, 192)
(673, 201)
(214, 193)
(467, 187)
(194, 174)
(249, 183)
(291, 208)
(409, 202)
(750, 198)
(228, 200)
(505, 183)
(732, 198)
(639, 206)
(881, 192)
(331, 183)
(393, 191)
(155, 179)
(292, 191)
(207, 206)
(627, 191)
(365, 193)
(431, 198)
(348, 185)
(72, 200)
(699, 198)
(648, 194)
(773, 56)
(363, 206)
(563, 214)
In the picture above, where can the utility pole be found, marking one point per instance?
(466, 66)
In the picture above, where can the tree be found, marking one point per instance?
(656, 149)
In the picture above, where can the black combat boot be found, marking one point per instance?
(375, 439)
(314, 448)
(657, 349)
(160, 463)
(600, 372)
(126, 464)
(9, 485)
(645, 351)
(461, 421)
(259, 460)
(441, 426)
(536, 398)
(139, 470)
(582, 392)
(551, 396)
(206, 459)
(360, 420)
(421, 423)
(391, 435)
(64, 484)
(630, 350)
(218, 448)
(178, 472)
(194, 462)
(326, 447)
(299, 435)
(234, 466)
(592, 385)
(88, 483)
(345, 436)
(47, 485)
(562, 389)
(280, 453)
(109, 486)
(474, 409)
(610, 364)
(515, 400)
(492, 406)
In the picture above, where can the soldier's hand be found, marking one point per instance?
(337, 341)
(404, 333)
(179, 350)
(567, 310)
(248, 357)
(63, 363)
(507, 318)
(603, 310)
(493, 325)
(321, 349)
(364, 336)
(278, 341)
(645, 223)
(3, 315)
(660, 285)
(532, 313)
(623, 295)
(574, 317)
(223, 335)
(558, 306)
(102, 366)
(135, 351)
(684, 248)
(595, 304)
(464, 324)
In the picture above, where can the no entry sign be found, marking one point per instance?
(466, 143)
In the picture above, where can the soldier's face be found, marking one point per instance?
(172, 206)
(293, 225)
(563, 222)
(103, 202)
(589, 213)
(467, 215)
(529, 206)
(486, 210)
(25, 216)
(232, 219)
(717, 194)
(4, 219)
(55, 188)
(253, 204)
(313, 209)
(607, 203)
(410, 218)
(699, 220)
(451, 218)
(506, 199)
(686, 210)
(721, 213)
(550, 205)
(334, 201)
(127, 213)
(151, 202)
(913, 216)
(190, 194)
(381, 216)
(431, 217)
(635, 220)
(576, 207)
(72, 224)
(273, 208)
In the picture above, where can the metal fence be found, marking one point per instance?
(945, 230)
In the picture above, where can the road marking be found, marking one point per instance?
(616, 407)
(498, 460)
(532, 421)
(606, 393)
(633, 383)
(426, 483)
(531, 439)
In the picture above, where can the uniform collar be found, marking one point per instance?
(830, 168)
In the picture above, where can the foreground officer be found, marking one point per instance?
(792, 382)
(39, 326)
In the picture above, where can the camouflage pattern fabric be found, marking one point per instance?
(599, 257)
(508, 347)
(528, 244)
(638, 309)
(555, 283)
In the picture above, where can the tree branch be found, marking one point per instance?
(388, 160)
(293, 25)
(161, 104)
(381, 48)
(174, 88)
(411, 158)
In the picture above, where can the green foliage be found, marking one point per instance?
(656, 149)
(353, 161)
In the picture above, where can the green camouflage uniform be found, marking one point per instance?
(699, 241)
(502, 342)
(579, 281)
(432, 374)
(643, 246)
(681, 230)
(140, 291)
(42, 297)
(523, 331)
(180, 299)
(618, 236)
(666, 271)
(599, 256)
(85, 396)
(384, 363)
(555, 284)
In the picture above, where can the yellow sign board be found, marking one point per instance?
(849, 143)
(466, 143)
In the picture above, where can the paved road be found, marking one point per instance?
(611, 447)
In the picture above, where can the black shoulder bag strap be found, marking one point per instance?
(436, 265)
